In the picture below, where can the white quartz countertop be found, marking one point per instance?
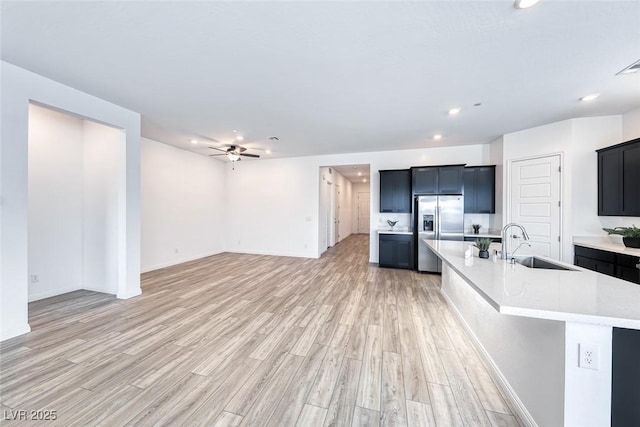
(605, 243)
(395, 230)
(575, 296)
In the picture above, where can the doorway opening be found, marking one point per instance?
(345, 203)
(74, 221)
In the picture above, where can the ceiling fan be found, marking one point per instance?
(234, 153)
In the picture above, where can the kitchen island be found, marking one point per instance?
(529, 325)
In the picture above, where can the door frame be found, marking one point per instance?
(508, 216)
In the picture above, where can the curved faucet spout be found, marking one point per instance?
(525, 236)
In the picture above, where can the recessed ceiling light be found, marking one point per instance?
(454, 111)
(437, 137)
(268, 151)
(240, 138)
(193, 141)
(364, 180)
(590, 97)
(359, 173)
(525, 4)
(235, 131)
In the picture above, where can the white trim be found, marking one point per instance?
(495, 372)
(282, 254)
(130, 293)
(51, 293)
(10, 333)
(507, 186)
(178, 261)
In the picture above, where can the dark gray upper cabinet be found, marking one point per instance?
(618, 179)
(395, 191)
(438, 179)
(480, 189)
(425, 180)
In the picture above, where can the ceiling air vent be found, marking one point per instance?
(633, 68)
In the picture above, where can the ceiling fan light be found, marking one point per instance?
(234, 157)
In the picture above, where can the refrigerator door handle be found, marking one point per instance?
(438, 223)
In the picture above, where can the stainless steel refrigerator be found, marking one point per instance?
(438, 218)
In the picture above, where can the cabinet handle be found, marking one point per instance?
(638, 266)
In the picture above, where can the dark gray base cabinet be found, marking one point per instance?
(395, 251)
(625, 378)
(625, 267)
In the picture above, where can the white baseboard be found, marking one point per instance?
(495, 372)
(14, 332)
(284, 254)
(51, 293)
(177, 261)
(129, 294)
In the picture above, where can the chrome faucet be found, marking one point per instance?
(513, 254)
(525, 236)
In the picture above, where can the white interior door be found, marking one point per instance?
(331, 234)
(363, 213)
(535, 204)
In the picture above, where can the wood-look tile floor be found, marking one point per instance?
(239, 340)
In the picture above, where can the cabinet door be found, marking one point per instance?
(425, 180)
(387, 181)
(402, 191)
(450, 179)
(470, 193)
(485, 190)
(609, 195)
(628, 268)
(386, 252)
(625, 378)
(404, 253)
(630, 161)
(628, 273)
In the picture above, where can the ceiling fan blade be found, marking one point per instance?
(214, 155)
(219, 149)
(250, 155)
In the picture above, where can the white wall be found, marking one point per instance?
(103, 151)
(359, 187)
(19, 87)
(183, 205)
(73, 203)
(55, 202)
(284, 193)
(631, 125)
(577, 140)
(496, 157)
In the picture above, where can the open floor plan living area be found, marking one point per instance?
(320, 213)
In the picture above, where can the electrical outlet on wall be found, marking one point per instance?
(589, 357)
(35, 278)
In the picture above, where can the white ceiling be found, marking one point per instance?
(334, 77)
(354, 173)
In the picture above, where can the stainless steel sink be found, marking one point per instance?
(535, 262)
